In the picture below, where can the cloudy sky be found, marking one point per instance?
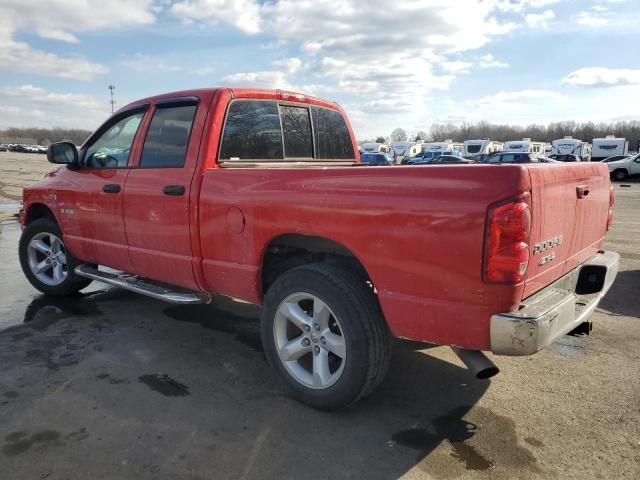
(390, 64)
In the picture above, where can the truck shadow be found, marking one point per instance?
(423, 404)
(622, 298)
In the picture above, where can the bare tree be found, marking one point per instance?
(399, 135)
(546, 133)
(422, 135)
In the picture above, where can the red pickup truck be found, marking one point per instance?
(259, 195)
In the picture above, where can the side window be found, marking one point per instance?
(296, 127)
(332, 136)
(112, 148)
(166, 143)
(252, 131)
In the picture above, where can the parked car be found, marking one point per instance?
(506, 157)
(430, 155)
(626, 167)
(253, 194)
(615, 158)
(439, 160)
(3, 147)
(565, 158)
(478, 157)
(376, 159)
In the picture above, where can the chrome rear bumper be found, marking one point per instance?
(555, 310)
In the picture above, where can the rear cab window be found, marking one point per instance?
(272, 131)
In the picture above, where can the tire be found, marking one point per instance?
(620, 174)
(352, 323)
(45, 232)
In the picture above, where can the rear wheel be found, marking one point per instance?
(620, 174)
(323, 332)
(45, 261)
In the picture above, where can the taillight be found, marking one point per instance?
(507, 244)
(610, 214)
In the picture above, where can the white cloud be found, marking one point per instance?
(245, 15)
(393, 65)
(61, 20)
(260, 79)
(204, 71)
(540, 20)
(593, 19)
(20, 57)
(145, 63)
(603, 77)
(457, 66)
(28, 105)
(519, 97)
(519, 6)
(290, 65)
(489, 61)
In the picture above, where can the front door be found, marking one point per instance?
(157, 203)
(91, 206)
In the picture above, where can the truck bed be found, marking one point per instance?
(419, 231)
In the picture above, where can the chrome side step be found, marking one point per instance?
(144, 287)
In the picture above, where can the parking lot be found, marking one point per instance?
(112, 385)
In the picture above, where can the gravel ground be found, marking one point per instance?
(111, 385)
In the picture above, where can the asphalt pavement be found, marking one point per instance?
(112, 385)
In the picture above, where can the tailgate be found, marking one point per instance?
(569, 207)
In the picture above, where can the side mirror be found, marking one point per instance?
(64, 153)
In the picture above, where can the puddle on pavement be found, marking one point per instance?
(225, 315)
(21, 302)
(10, 207)
(451, 427)
(20, 442)
(165, 385)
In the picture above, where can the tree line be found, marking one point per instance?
(43, 136)
(586, 131)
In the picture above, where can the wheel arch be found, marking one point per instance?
(38, 210)
(290, 250)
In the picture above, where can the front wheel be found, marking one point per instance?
(620, 174)
(323, 331)
(46, 262)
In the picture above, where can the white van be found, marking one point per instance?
(526, 145)
(435, 149)
(401, 150)
(482, 146)
(572, 146)
(370, 147)
(607, 147)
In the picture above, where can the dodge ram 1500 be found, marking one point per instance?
(259, 195)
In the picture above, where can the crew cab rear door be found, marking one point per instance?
(157, 201)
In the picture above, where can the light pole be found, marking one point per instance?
(112, 101)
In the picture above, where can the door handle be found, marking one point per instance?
(582, 191)
(175, 190)
(111, 188)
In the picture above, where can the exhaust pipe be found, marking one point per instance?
(477, 362)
